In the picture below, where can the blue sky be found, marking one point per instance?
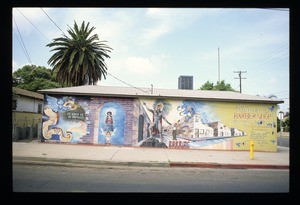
(157, 45)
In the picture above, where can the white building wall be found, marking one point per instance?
(27, 104)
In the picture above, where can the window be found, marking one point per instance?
(14, 104)
(40, 106)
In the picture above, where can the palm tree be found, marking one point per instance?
(79, 59)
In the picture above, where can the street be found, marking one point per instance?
(103, 179)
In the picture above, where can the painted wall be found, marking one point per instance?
(166, 123)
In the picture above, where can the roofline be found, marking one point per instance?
(27, 93)
(161, 96)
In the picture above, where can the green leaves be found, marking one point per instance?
(222, 86)
(79, 57)
(34, 78)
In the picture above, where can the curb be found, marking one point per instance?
(84, 162)
(229, 166)
(87, 163)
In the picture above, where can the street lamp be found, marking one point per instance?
(281, 128)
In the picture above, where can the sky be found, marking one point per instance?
(154, 46)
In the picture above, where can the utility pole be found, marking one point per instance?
(240, 77)
(218, 64)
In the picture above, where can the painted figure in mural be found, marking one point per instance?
(109, 123)
(158, 115)
(109, 127)
(109, 118)
(174, 131)
(107, 137)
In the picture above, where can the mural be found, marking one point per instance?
(160, 122)
(63, 120)
(194, 125)
(111, 127)
(210, 125)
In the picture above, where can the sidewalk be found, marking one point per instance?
(35, 152)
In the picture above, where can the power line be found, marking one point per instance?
(268, 57)
(22, 43)
(33, 25)
(127, 83)
(52, 21)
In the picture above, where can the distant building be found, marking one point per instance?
(27, 101)
(185, 82)
(27, 111)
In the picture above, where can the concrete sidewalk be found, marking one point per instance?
(83, 155)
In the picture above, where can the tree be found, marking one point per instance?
(222, 86)
(34, 78)
(79, 59)
(207, 86)
(286, 124)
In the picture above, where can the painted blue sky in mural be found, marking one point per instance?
(56, 104)
(207, 115)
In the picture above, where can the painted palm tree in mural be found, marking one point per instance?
(79, 59)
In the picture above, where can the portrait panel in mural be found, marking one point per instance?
(111, 124)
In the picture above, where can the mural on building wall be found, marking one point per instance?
(260, 121)
(160, 123)
(208, 125)
(63, 119)
(185, 124)
(111, 124)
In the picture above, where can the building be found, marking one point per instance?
(170, 118)
(185, 82)
(27, 107)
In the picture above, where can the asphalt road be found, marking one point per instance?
(102, 179)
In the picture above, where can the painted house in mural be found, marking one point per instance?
(170, 118)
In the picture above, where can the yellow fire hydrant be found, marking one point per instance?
(251, 149)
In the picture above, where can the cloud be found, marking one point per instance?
(167, 20)
(140, 65)
(145, 66)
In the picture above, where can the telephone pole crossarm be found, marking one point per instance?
(240, 77)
